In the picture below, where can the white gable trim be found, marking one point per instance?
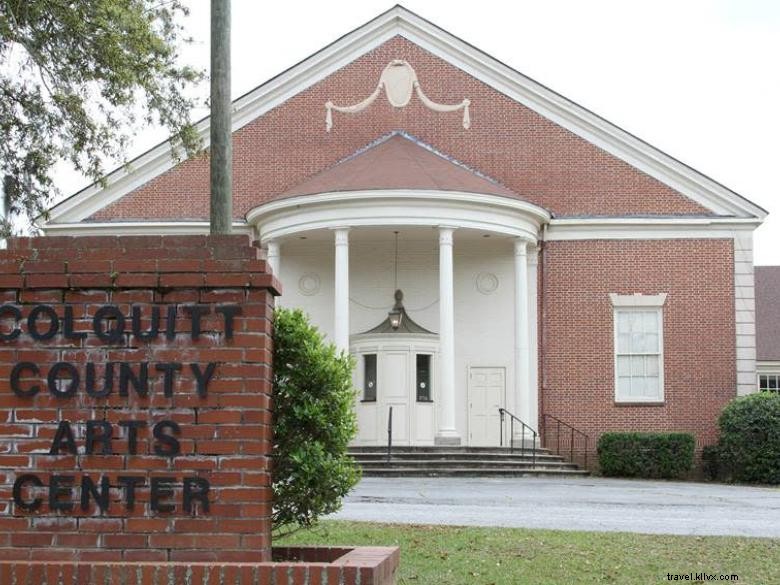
(399, 21)
(138, 228)
(647, 228)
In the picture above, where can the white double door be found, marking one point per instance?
(413, 421)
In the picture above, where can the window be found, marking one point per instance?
(638, 348)
(423, 377)
(369, 377)
(769, 382)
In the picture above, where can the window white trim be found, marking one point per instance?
(771, 377)
(644, 304)
(637, 300)
(766, 368)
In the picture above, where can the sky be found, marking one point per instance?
(697, 79)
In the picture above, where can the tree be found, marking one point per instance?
(313, 423)
(76, 77)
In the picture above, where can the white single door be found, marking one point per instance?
(487, 393)
(393, 390)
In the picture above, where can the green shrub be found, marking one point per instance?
(710, 458)
(749, 445)
(651, 455)
(313, 420)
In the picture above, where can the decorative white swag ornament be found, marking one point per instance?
(399, 81)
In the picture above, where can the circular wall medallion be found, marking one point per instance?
(309, 284)
(487, 283)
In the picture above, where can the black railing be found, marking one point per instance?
(565, 440)
(389, 434)
(512, 418)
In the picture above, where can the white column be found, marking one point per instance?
(447, 434)
(533, 338)
(341, 296)
(272, 256)
(522, 353)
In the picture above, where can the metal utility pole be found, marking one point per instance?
(221, 136)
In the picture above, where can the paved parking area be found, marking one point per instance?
(656, 507)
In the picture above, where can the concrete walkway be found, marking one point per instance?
(600, 504)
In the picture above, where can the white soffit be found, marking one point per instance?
(399, 21)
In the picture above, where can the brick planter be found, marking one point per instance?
(358, 566)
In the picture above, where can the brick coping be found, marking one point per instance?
(320, 566)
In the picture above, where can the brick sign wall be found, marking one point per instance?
(134, 399)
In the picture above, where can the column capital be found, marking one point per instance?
(446, 234)
(533, 256)
(342, 235)
(273, 255)
(521, 247)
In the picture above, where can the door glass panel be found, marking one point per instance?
(423, 377)
(369, 377)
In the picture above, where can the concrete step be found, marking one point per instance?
(405, 449)
(447, 456)
(515, 471)
(456, 463)
(462, 462)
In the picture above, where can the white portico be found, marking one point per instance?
(466, 263)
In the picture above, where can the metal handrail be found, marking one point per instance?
(512, 418)
(572, 430)
(389, 434)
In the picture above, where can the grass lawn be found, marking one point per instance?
(446, 555)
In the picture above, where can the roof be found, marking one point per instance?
(399, 21)
(407, 325)
(398, 161)
(767, 313)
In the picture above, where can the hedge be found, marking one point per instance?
(749, 445)
(649, 455)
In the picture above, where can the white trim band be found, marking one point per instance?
(138, 228)
(398, 207)
(647, 228)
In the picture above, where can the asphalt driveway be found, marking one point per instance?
(655, 507)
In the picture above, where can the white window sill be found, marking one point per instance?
(640, 403)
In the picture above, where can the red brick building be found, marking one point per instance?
(550, 262)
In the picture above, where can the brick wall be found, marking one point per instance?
(539, 160)
(576, 328)
(224, 430)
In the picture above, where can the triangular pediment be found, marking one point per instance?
(706, 195)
